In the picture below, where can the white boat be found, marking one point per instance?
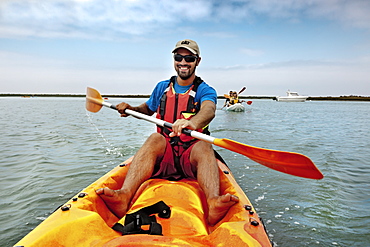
(238, 107)
(292, 97)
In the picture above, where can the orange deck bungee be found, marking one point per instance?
(87, 221)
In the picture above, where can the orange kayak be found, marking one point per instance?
(86, 221)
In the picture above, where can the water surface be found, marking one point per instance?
(52, 148)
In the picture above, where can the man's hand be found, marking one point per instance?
(179, 125)
(122, 107)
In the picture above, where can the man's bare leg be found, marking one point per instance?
(140, 170)
(202, 155)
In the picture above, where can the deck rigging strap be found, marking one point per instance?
(144, 216)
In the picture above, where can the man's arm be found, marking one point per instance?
(143, 108)
(205, 115)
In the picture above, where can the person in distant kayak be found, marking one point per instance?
(235, 98)
(227, 100)
(232, 99)
(188, 102)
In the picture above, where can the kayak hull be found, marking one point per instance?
(88, 222)
(238, 107)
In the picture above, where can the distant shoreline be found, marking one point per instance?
(314, 98)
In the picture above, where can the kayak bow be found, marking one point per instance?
(86, 221)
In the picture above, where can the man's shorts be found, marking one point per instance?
(167, 169)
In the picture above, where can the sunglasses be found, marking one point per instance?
(188, 58)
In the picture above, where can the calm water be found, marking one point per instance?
(52, 148)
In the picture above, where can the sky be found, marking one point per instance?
(313, 47)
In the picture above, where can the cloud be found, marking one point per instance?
(359, 63)
(125, 18)
(348, 13)
(251, 52)
(310, 79)
(354, 13)
(95, 18)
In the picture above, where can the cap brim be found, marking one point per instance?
(187, 48)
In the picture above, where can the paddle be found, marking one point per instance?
(286, 162)
(242, 90)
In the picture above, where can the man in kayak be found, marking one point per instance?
(227, 100)
(190, 103)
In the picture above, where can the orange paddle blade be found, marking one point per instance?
(226, 96)
(286, 162)
(94, 100)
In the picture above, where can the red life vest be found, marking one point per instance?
(175, 106)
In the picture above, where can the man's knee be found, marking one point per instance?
(203, 146)
(202, 150)
(156, 140)
(156, 136)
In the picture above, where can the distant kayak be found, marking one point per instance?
(162, 213)
(238, 107)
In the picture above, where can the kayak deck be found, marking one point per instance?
(87, 221)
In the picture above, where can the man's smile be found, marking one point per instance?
(183, 67)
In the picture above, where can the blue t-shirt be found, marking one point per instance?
(204, 92)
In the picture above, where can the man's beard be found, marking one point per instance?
(185, 76)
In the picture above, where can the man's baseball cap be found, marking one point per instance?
(188, 44)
